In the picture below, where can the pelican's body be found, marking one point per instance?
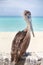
(21, 41)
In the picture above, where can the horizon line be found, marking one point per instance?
(19, 16)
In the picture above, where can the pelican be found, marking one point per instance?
(21, 40)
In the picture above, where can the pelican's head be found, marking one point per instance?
(27, 17)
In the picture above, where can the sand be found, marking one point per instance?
(36, 43)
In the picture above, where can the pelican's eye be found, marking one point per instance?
(29, 16)
(25, 13)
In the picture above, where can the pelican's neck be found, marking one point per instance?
(28, 23)
(28, 27)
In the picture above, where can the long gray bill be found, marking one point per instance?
(32, 29)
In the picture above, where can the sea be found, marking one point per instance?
(16, 23)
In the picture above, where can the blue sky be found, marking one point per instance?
(16, 7)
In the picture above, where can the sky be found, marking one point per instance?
(17, 7)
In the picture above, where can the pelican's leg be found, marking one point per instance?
(27, 54)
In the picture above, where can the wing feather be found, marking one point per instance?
(18, 40)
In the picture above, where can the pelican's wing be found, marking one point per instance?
(24, 44)
(18, 40)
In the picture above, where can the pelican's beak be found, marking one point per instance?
(32, 29)
(30, 21)
(27, 17)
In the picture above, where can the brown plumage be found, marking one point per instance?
(21, 42)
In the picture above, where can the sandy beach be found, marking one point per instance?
(36, 43)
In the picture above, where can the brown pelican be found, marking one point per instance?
(22, 39)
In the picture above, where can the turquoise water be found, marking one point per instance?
(12, 24)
